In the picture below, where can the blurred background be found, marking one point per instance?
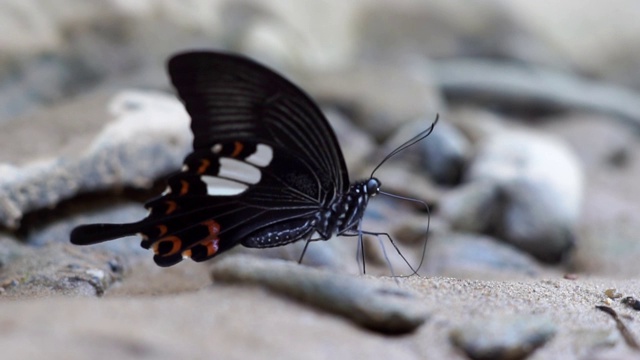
(531, 169)
(53, 50)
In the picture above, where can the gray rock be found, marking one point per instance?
(523, 88)
(10, 250)
(540, 185)
(382, 308)
(475, 122)
(443, 154)
(60, 269)
(610, 222)
(600, 142)
(465, 255)
(335, 254)
(471, 207)
(148, 138)
(507, 337)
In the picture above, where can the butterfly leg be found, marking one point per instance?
(361, 255)
(306, 245)
(413, 270)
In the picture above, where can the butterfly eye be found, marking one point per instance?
(373, 187)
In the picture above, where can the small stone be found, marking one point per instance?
(571, 276)
(612, 293)
(383, 308)
(471, 207)
(540, 186)
(503, 338)
(631, 302)
(443, 154)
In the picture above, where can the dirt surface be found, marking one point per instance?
(178, 313)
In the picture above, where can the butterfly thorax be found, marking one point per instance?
(345, 212)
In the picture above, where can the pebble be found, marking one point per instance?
(471, 207)
(443, 154)
(475, 256)
(631, 302)
(612, 293)
(540, 184)
(385, 308)
(506, 337)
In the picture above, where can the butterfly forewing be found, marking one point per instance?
(231, 98)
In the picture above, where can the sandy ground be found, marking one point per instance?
(178, 313)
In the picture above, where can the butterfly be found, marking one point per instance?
(266, 168)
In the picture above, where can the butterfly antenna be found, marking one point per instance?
(423, 134)
(424, 246)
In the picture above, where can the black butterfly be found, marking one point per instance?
(266, 168)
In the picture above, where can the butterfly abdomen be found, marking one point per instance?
(281, 234)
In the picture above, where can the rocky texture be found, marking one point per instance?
(386, 309)
(58, 269)
(240, 322)
(503, 338)
(153, 126)
(535, 89)
(539, 195)
(473, 256)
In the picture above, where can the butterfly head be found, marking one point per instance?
(372, 187)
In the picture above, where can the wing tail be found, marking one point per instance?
(97, 233)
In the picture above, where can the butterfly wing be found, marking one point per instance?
(265, 160)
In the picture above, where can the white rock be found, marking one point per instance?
(540, 185)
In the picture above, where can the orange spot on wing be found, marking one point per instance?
(162, 229)
(171, 207)
(175, 241)
(212, 246)
(186, 253)
(238, 148)
(211, 241)
(185, 187)
(213, 226)
(204, 165)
